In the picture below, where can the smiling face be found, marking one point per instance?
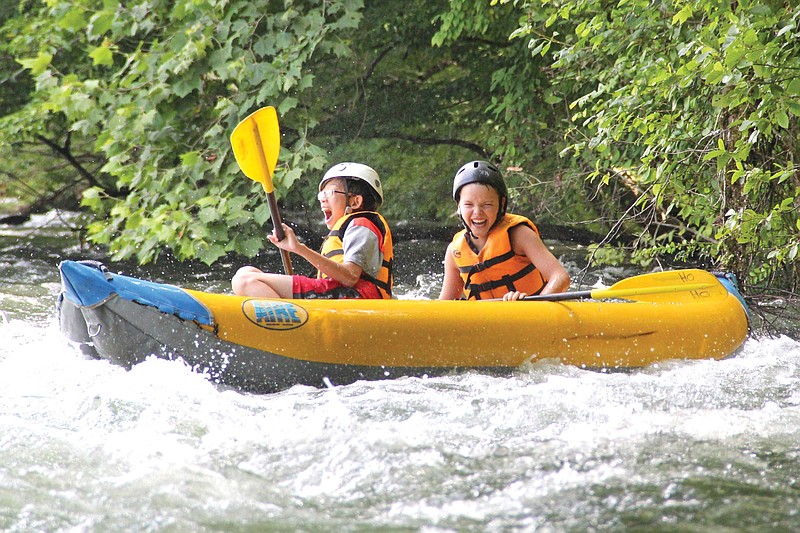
(333, 206)
(479, 205)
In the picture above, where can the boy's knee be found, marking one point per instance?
(245, 270)
(242, 279)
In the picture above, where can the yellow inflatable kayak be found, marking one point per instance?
(264, 345)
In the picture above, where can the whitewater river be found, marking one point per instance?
(87, 446)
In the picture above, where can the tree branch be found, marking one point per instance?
(66, 153)
(372, 66)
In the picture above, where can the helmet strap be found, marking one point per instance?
(466, 226)
(347, 209)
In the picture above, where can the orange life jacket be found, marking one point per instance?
(496, 269)
(332, 248)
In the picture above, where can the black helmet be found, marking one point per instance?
(481, 172)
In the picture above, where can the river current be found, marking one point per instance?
(89, 446)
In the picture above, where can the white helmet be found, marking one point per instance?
(355, 171)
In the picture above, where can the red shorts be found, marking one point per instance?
(308, 288)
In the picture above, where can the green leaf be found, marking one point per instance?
(250, 246)
(100, 23)
(102, 55)
(186, 85)
(782, 119)
(716, 74)
(551, 99)
(683, 15)
(286, 105)
(189, 159)
(72, 20)
(733, 54)
(209, 254)
(38, 64)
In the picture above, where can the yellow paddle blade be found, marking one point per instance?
(673, 286)
(256, 142)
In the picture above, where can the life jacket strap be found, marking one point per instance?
(484, 265)
(507, 281)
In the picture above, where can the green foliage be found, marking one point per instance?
(522, 114)
(696, 104)
(157, 87)
(413, 112)
(673, 122)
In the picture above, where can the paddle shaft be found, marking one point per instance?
(559, 296)
(274, 212)
(616, 293)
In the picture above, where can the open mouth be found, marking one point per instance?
(478, 223)
(328, 215)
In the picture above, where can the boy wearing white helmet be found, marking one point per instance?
(497, 254)
(357, 255)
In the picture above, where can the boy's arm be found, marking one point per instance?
(525, 241)
(347, 274)
(452, 285)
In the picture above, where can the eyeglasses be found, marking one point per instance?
(328, 194)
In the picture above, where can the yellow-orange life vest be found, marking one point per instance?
(332, 248)
(496, 269)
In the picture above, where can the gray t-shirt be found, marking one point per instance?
(362, 247)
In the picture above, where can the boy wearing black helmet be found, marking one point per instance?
(356, 256)
(497, 254)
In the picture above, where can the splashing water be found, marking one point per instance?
(88, 446)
